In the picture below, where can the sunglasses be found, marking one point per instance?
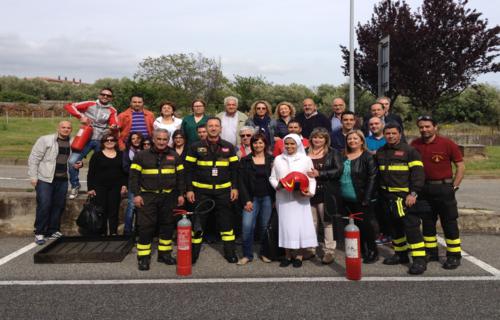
(147, 143)
(110, 140)
(245, 135)
(106, 95)
(426, 118)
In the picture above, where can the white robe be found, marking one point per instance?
(296, 226)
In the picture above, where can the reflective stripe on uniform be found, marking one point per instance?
(430, 239)
(394, 168)
(227, 235)
(454, 241)
(418, 253)
(399, 240)
(143, 249)
(164, 248)
(194, 239)
(149, 171)
(191, 159)
(431, 244)
(233, 159)
(395, 189)
(180, 167)
(165, 242)
(221, 163)
(157, 191)
(401, 210)
(209, 186)
(415, 163)
(417, 245)
(453, 249)
(135, 166)
(401, 248)
(205, 163)
(167, 171)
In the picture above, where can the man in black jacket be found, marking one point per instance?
(154, 174)
(311, 118)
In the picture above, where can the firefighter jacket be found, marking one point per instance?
(156, 172)
(211, 166)
(401, 170)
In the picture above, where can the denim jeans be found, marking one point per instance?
(262, 209)
(129, 214)
(78, 156)
(50, 202)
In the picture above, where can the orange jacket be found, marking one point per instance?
(125, 119)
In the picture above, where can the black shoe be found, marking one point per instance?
(229, 252)
(166, 258)
(397, 258)
(418, 266)
(371, 257)
(196, 248)
(431, 254)
(452, 262)
(297, 263)
(285, 262)
(143, 263)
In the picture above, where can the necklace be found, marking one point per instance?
(316, 153)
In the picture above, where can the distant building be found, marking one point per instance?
(58, 80)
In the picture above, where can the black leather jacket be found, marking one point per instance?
(363, 175)
(246, 178)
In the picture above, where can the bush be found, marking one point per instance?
(16, 96)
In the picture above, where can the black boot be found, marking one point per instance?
(418, 266)
(229, 252)
(166, 257)
(452, 262)
(196, 248)
(143, 262)
(397, 258)
(371, 256)
(431, 254)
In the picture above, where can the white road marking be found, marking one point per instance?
(17, 253)
(481, 264)
(239, 280)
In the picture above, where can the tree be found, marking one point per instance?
(435, 53)
(191, 75)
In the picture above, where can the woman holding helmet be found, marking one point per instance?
(293, 192)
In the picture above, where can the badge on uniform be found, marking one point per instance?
(215, 172)
(201, 150)
(225, 149)
(399, 153)
(170, 158)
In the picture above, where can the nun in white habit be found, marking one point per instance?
(296, 227)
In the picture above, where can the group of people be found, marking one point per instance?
(312, 168)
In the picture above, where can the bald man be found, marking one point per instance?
(338, 107)
(310, 118)
(48, 173)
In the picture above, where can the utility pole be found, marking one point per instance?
(351, 59)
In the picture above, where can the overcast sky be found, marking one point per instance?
(285, 41)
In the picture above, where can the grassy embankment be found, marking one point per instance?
(19, 135)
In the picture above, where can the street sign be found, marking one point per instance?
(383, 65)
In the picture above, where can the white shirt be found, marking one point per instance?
(169, 127)
(229, 128)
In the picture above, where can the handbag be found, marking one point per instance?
(91, 218)
(271, 239)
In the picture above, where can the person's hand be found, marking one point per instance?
(190, 196)
(248, 206)
(84, 120)
(78, 165)
(138, 201)
(410, 200)
(91, 193)
(279, 186)
(313, 173)
(180, 201)
(113, 127)
(234, 194)
(306, 193)
(124, 190)
(34, 182)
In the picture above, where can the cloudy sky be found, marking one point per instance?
(283, 40)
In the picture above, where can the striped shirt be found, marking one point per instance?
(139, 124)
(61, 172)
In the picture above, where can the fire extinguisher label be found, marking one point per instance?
(183, 241)
(351, 248)
(80, 132)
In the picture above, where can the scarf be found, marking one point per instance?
(262, 125)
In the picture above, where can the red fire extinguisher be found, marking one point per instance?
(81, 138)
(184, 246)
(352, 249)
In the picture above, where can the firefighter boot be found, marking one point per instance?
(143, 262)
(418, 266)
(397, 258)
(196, 248)
(166, 257)
(229, 252)
(452, 262)
(431, 254)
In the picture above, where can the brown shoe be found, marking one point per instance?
(327, 258)
(243, 261)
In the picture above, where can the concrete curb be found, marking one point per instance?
(17, 216)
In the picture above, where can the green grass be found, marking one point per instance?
(489, 166)
(19, 134)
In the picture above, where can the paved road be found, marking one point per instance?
(474, 193)
(219, 290)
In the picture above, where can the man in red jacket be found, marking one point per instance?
(135, 119)
(101, 115)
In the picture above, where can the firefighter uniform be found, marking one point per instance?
(154, 175)
(211, 172)
(401, 173)
(439, 192)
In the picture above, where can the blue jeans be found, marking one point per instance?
(262, 208)
(50, 202)
(78, 156)
(129, 214)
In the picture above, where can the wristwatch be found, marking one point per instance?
(414, 194)
(455, 188)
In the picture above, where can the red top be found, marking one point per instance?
(437, 157)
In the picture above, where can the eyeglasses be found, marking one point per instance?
(425, 118)
(106, 95)
(110, 140)
(147, 143)
(245, 135)
(261, 108)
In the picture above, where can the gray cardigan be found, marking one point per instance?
(42, 160)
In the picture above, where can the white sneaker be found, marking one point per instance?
(39, 239)
(73, 193)
(55, 235)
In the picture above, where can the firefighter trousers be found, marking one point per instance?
(443, 204)
(156, 212)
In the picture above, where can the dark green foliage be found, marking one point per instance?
(16, 96)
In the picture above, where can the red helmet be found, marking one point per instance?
(295, 181)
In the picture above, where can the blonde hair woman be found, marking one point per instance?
(285, 111)
(260, 119)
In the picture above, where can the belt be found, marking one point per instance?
(443, 181)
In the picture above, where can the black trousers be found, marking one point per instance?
(109, 199)
(406, 234)
(443, 204)
(156, 212)
(367, 226)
